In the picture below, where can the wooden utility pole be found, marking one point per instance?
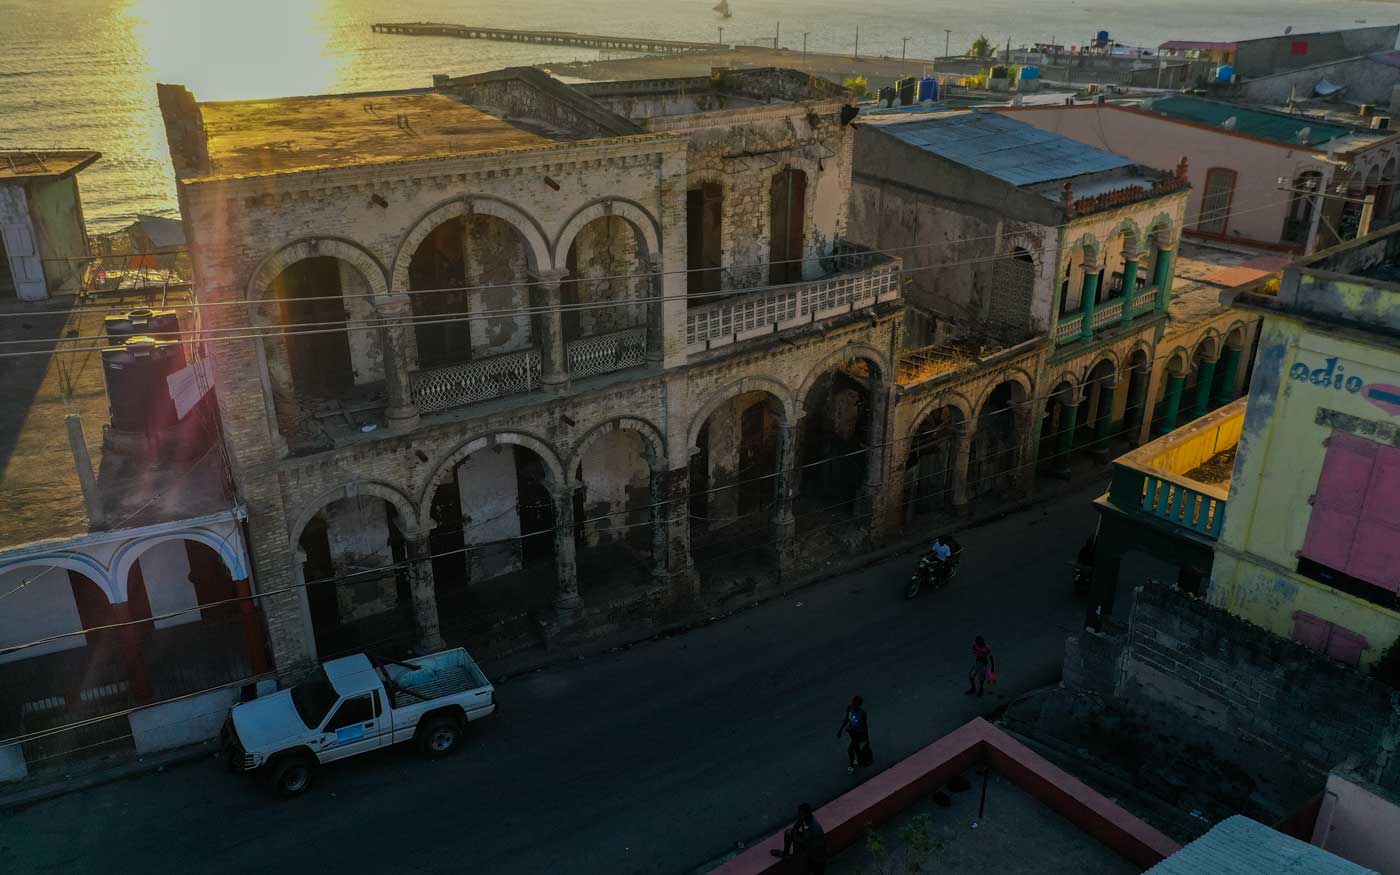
(777, 29)
(904, 51)
(857, 55)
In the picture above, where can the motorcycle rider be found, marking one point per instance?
(934, 565)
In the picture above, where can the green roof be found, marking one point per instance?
(1277, 126)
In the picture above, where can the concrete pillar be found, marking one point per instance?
(872, 494)
(1087, 303)
(549, 328)
(133, 638)
(423, 590)
(1175, 383)
(656, 312)
(402, 413)
(1064, 438)
(1103, 421)
(1162, 279)
(961, 459)
(784, 522)
(253, 635)
(671, 533)
(1136, 413)
(87, 481)
(1226, 376)
(1130, 272)
(567, 602)
(1204, 383)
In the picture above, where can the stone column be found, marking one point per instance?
(1087, 303)
(1064, 439)
(871, 500)
(253, 636)
(1162, 279)
(1136, 412)
(1130, 272)
(1175, 382)
(656, 312)
(1103, 421)
(1225, 384)
(549, 331)
(394, 313)
(671, 527)
(567, 603)
(961, 458)
(1205, 381)
(784, 522)
(424, 593)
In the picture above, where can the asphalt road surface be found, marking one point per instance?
(652, 760)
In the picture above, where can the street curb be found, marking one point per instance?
(151, 764)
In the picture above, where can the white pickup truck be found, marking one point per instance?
(353, 705)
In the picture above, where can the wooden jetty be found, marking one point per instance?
(548, 37)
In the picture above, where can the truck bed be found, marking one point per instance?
(439, 675)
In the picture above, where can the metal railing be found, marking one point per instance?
(605, 353)
(862, 280)
(477, 380)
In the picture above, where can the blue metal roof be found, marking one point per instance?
(1005, 148)
(1240, 846)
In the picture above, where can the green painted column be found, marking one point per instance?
(1225, 382)
(1087, 304)
(1064, 441)
(1204, 382)
(1130, 272)
(1105, 418)
(1175, 382)
(1162, 279)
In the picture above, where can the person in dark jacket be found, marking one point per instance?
(805, 843)
(856, 724)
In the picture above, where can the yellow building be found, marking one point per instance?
(1310, 546)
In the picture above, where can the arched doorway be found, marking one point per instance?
(995, 462)
(1099, 413)
(475, 265)
(1135, 407)
(1059, 428)
(839, 425)
(617, 530)
(932, 471)
(605, 297)
(734, 485)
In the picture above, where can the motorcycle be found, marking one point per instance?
(1083, 578)
(935, 575)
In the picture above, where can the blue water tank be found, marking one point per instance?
(1102, 39)
(1225, 73)
(1030, 72)
(928, 89)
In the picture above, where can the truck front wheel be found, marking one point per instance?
(292, 776)
(439, 736)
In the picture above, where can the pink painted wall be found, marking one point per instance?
(1358, 825)
(1258, 208)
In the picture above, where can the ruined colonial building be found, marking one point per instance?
(501, 358)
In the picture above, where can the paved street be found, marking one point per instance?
(652, 760)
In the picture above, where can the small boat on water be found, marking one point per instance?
(722, 7)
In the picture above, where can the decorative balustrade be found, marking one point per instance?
(1068, 327)
(476, 380)
(1108, 314)
(605, 353)
(771, 310)
(1145, 302)
(1183, 506)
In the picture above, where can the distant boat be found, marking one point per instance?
(723, 9)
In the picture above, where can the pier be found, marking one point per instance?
(548, 37)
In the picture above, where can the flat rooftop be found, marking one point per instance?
(292, 134)
(27, 166)
(1288, 129)
(40, 498)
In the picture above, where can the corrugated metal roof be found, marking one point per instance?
(1240, 846)
(1002, 147)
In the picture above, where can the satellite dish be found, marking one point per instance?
(1304, 134)
(1288, 30)
(1229, 123)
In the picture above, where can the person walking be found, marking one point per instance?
(805, 842)
(984, 667)
(855, 724)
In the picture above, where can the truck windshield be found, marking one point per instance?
(313, 698)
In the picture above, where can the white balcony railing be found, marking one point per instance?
(604, 353)
(477, 380)
(781, 307)
(1108, 314)
(1068, 327)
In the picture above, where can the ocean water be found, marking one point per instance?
(82, 73)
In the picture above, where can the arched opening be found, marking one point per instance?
(734, 485)
(478, 265)
(787, 225)
(1170, 405)
(994, 464)
(1200, 380)
(615, 522)
(931, 469)
(1059, 429)
(353, 554)
(495, 519)
(320, 359)
(1301, 203)
(1072, 282)
(1135, 406)
(1122, 251)
(836, 431)
(704, 238)
(607, 286)
(1099, 414)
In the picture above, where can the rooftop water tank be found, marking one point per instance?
(1030, 72)
(1102, 39)
(908, 90)
(159, 323)
(1225, 73)
(928, 89)
(137, 390)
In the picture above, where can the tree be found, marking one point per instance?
(981, 47)
(858, 85)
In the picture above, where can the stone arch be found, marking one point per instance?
(832, 359)
(634, 213)
(722, 395)
(993, 382)
(450, 461)
(1139, 346)
(1130, 230)
(537, 248)
(955, 400)
(408, 514)
(1178, 361)
(652, 439)
(228, 547)
(1089, 245)
(317, 247)
(1236, 334)
(1104, 355)
(84, 565)
(1208, 344)
(1160, 231)
(1074, 381)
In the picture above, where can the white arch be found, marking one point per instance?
(536, 249)
(634, 213)
(84, 565)
(228, 547)
(444, 468)
(408, 516)
(316, 247)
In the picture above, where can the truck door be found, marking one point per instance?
(356, 726)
